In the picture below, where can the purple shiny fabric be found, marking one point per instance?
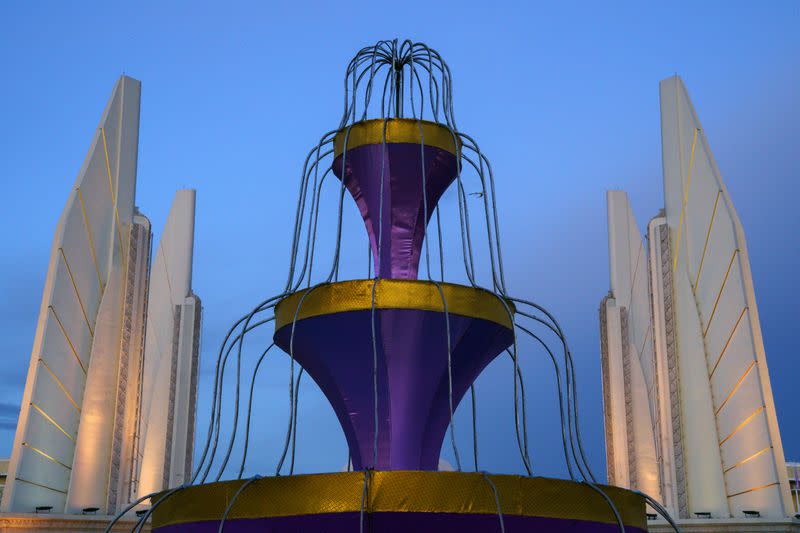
(400, 523)
(403, 216)
(413, 399)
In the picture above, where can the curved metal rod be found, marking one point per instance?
(266, 304)
(496, 281)
(610, 503)
(305, 295)
(140, 524)
(572, 407)
(250, 410)
(239, 344)
(233, 500)
(523, 401)
(449, 376)
(474, 427)
(522, 451)
(571, 412)
(122, 513)
(567, 460)
(294, 420)
(660, 509)
(496, 501)
(364, 493)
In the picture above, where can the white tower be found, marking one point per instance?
(170, 368)
(77, 444)
(689, 411)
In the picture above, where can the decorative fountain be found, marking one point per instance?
(396, 352)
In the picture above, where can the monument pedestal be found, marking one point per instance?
(728, 525)
(50, 523)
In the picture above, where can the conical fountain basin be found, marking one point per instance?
(385, 164)
(403, 367)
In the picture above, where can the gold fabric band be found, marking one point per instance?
(398, 130)
(400, 491)
(356, 295)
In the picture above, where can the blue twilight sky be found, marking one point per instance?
(563, 98)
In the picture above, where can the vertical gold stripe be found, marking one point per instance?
(123, 251)
(753, 490)
(740, 426)
(77, 294)
(50, 419)
(166, 274)
(39, 485)
(91, 240)
(111, 188)
(736, 387)
(61, 385)
(684, 202)
(743, 461)
(635, 273)
(108, 165)
(708, 234)
(724, 348)
(719, 294)
(45, 455)
(64, 331)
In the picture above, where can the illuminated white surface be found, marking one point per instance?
(702, 372)
(630, 292)
(91, 389)
(86, 252)
(714, 288)
(167, 352)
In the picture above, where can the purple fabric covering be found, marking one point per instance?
(413, 400)
(404, 217)
(400, 523)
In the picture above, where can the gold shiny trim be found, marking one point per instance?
(356, 295)
(91, 240)
(705, 246)
(740, 426)
(35, 484)
(53, 422)
(166, 273)
(61, 385)
(748, 459)
(736, 387)
(77, 294)
(754, 489)
(46, 456)
(684, 201)
(111, 188)
(719, 294)
(398, 130)
(730, 337)
(64, 332)
(399, 491)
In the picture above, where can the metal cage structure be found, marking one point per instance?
(397, 351)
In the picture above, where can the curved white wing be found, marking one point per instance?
(87, 249)
(728, 410)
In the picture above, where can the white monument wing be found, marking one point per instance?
(87, 246)
(170, 285)
(628, 267)
(733, 423)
